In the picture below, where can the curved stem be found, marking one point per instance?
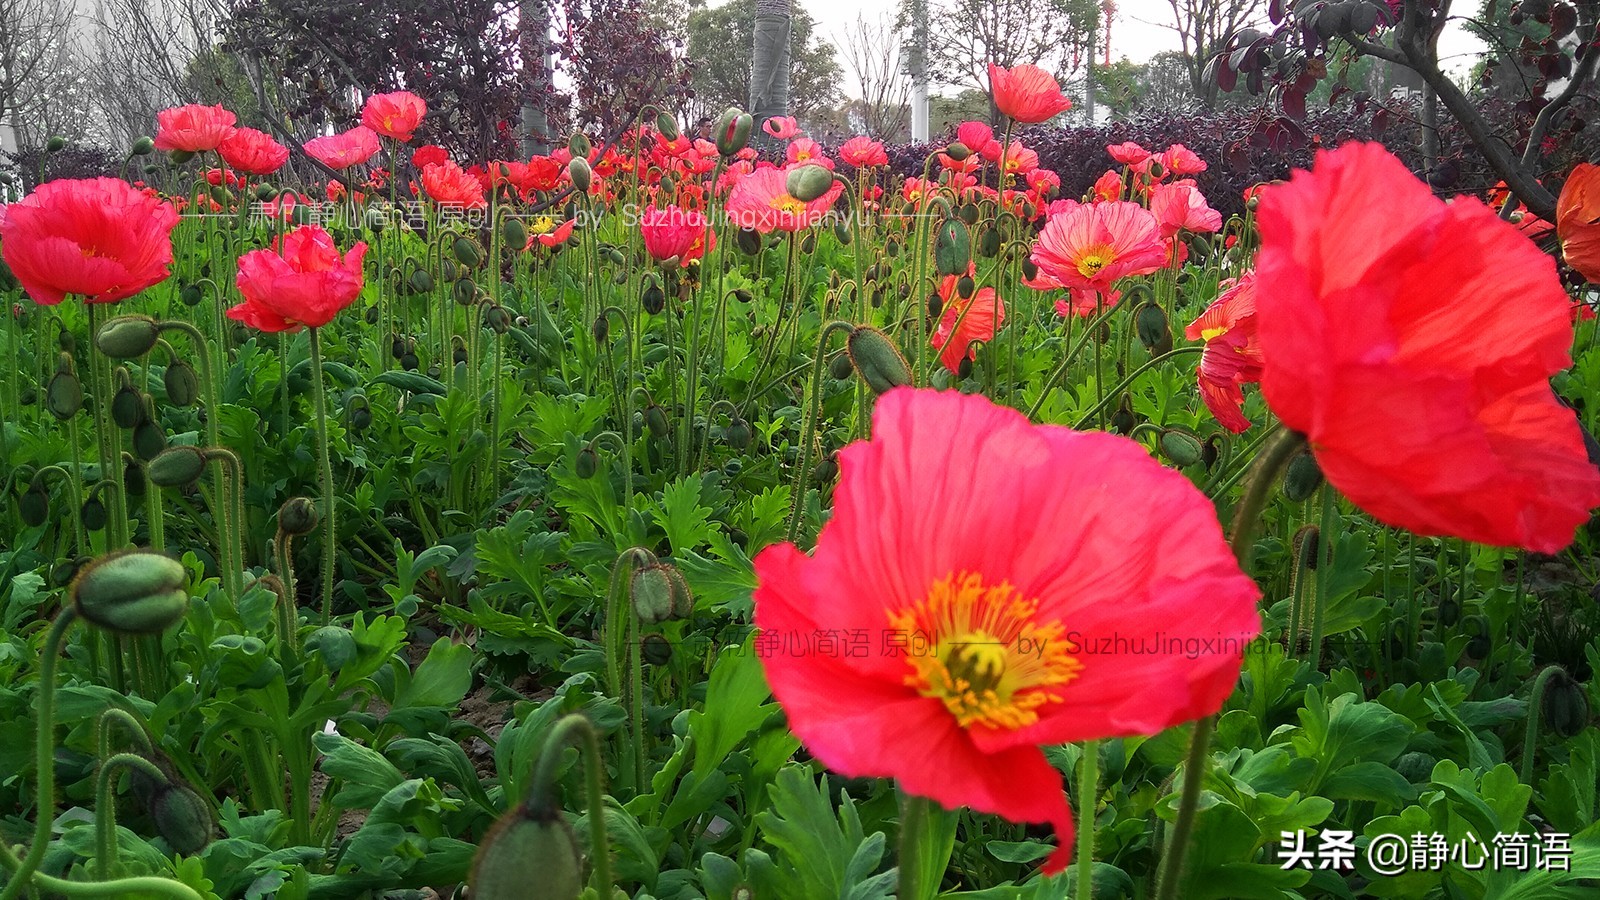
(44, 747)
(1530, 737)
(105, 812)
(577, 729)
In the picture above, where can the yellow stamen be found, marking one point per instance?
(1207, 334)
(788, 204)
(988, 658)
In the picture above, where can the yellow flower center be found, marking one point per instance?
(788, 204)
(543, 225)
(1093, 260)
(982, 651)
(1207, 334)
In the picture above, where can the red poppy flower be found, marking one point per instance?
(1180, 206)
(761, 201)
(806, 152)
(1179, 161)
(553, 237)
(862, 151)
(1108, 186)
(965, 322)
(98, 238)
(395, 115)
(300, 281)
(253, 152)
(1128, 153)
(1578, 220)
(673, 232)
(782, 128)
(1412, 341)
(1018, 160)
(429, 155)
(1090, 246)
(1232, 355)
(449, 185)
(343, 150)
(1027, 93)
(975, 135)
(192, 128)
(979, 569)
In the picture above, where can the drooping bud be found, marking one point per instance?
(149, 439)
(586, 463)
(748, 240)
(127, 337)
(952, 248)
(738, 433)
(668, 126)
(178, 467)
(92, 514)
(464, 291)
(56, 144)
(1564, 706)
(601, 329)
(880, 362)
(650, 590)
(1123, 420)
(360, 413)
(466, 251)
(513, 234)
(653, 299)
(182, 818)
(34, 506)
(580, 173)
(1181, 447)
(1212, 451)
(1302, 477)
(127, 407)
(826, 470)
(989, 242)
(733, 131)
(179, 157)
(132, 592)
(957, 151)
(63, 395)
(655, 649)
(527, 847)
(965, 287)
(807, 183)
(1150, 323)
(498, 320)
(191, 295)
(181, 382)
(420, 281)
(142, 146)
(655, 419)
(299, 516)
(578, 145)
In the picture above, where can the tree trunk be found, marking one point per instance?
(534, 38)
(769, 61)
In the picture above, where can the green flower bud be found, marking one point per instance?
(957, 151)
(826, 470)
(1302, 477)
(586, 463)
(1565, 706)
(965, 287)
(748, 240)
(56, 144)
(1150, 324)
(149, 440)
(182, 384)
(464, 290)
(733, 131)
(182, 818)
(299, 516)
(580, 173)
(1123, 420)
(191, 295)
(1181, 447)
(178, 467)
(653, 299)
(179, 157)
(67, 341)
(989, 242)
(513, 233)
(952, 248)
(655, 649)
(92, 514)
(658, 592)
(738, 433)
(143, 146)
(527, 847)
(807, 183)
(421, 282)
(34, 507)
(578, 145)
(875, 356)
(127, 407)
(466, 250)
(63, 395)
(668, 126)
(497, 319)
(655, 419)
(601, 329)
(132, 592)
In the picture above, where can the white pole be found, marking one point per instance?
(919, 70)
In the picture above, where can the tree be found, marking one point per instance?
(965, 36)
(37, 69)
(1159, 85)
(769, 60)
(871, 52)
(721, 42)
(1205, 27)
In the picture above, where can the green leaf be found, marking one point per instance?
(366, 773)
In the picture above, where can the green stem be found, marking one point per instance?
(1193, 778)
(44, 747)
(1530, 737)
(325, 473)
(105, 812)
(914, 814)
(1088, 782)
(576, 728)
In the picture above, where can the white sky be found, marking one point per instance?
(1138, 31)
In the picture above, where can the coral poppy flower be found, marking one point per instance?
(862, 151)
(1179, 160)
(806, 152)
(981, 570)
(1043, 182)
(395, 115)
(1018, 160)
(964, 322)
(761, 201)
(1090, 246)
(428, 155)
(300, 281)
(546, 233)
(450, 185)
(1108, 186)
(1027, 93)
(252, 152)
(1128, 153)
(98, 238)
(193, 128)
(671, 232)
(1412, 341)
(343, 150)
(1180, 206)
(1578, 220)
(782, 128)
(1232, 355)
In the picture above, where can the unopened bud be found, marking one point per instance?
(527, 847)
(132, 592)
(1302, 477)
(880, 362)
(807, 183)
(1150, 323)
(299, 516)
(143, 146)
(178, 467)
(1181, 447)
(733, 131)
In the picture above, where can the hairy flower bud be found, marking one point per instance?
(299, 516)
(733, 131)
(178, 467)
(875, 356)
(807, 183)
(127, 337)
(132, 592)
